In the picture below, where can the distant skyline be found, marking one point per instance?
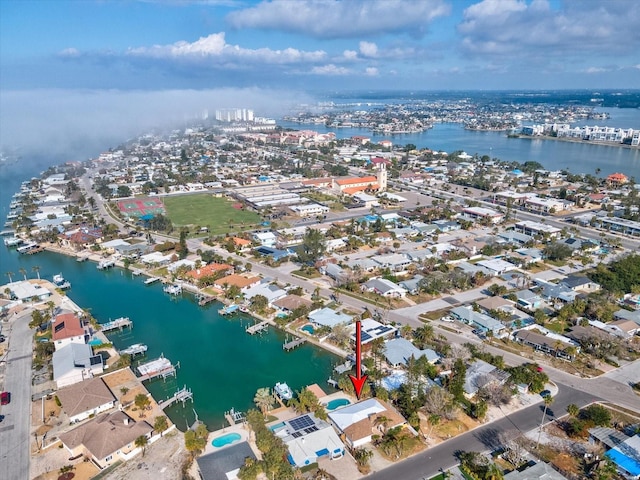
(78, 76)
(308, 45)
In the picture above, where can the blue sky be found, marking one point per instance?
(80, 76)
(307, 45)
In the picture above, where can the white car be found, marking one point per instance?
(447, 319)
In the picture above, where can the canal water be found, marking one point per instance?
(222, 364)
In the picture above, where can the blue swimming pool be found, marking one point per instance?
(95, 341)
(227, 439)
(337, 403)
(275, 427)
(309, 329)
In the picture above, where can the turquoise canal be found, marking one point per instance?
(219, 362)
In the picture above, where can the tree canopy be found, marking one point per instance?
(620, 276)
(313, 246)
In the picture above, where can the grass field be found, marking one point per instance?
(218, 214)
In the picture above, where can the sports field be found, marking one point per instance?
(218, 214)
(139, 207)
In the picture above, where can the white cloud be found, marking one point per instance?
(350, 54)
(596, 70)
(536, 27)
(215, 47)
(330, 69)
(341, 19)
(372, 72)
(368, 49)
(69, 52)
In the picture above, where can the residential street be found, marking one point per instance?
(14, 429)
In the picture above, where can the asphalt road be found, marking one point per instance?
(485, 438)
(15, 428)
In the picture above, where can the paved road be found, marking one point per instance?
(485, 438)
(15, 429)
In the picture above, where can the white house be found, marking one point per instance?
(74, 363)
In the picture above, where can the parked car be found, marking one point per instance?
(545, 393)
(5, 398)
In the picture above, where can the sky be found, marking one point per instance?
(96, 53)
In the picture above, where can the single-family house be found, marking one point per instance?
(291, 303)
(243, 282)
(24, 291)
(67, 328)
(398, 351)
(224, 464)
(626, 456)
(74, 363)
(357, 422)
(106, 439)
(308, 438)
(539, 471)
(270, 291)
(497, 266)
(372, 329)
(411, 285)
(215, 270)
(266, 239)
(335, 271)
(481, 374)
(623, 314)
(326, 317)
(396, 262)
(528, 299)
(545, 343)
(580, 283)
(87, 398)
(485, 323)
(383, 287)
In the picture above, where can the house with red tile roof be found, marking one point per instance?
(617, 179)
(67, 328)
(210, 270)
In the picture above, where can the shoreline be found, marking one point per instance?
(192, 289)
(573, 140)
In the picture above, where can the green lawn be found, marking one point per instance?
(206, 210)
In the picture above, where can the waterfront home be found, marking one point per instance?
(67, 328)
(357, 422)
(225, 463)
(308, 438)
(156, 258)
(481, 374)
(24, 291)
(106, 439)
(183, 263)
(372, 329)
(270, 291)
(383, 287)
(326, 317)
(80, 238)
(215, 270)
(74, 363)
(241, 281)
(87, 398)
(292, 302)
(398, 351)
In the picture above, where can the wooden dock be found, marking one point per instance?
(117, 324)
(206, 299)
(183, 395)
(293, 344)
(234, 417)
(257, 328)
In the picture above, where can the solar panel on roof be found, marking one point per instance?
(59, 327)
(296, 434)
(364, 336)
(311, 429)
(301, 422)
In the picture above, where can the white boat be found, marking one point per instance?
(104, 264)
(136, 273)
(60, 282)
(173, 289)
(13, 241)
(283, 391)
(135, 349)
(151, 280)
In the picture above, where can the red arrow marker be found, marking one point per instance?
(359, 379)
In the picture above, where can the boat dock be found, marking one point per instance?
(206, 300)
(228, 309)
(293, 344)
(13, 241)
(257, 328)
(161, 367)
(174, 289)
(82, 258)
(104, 264)
(343, 367)
(234, 417)
(151, 280)
(182, 395)
(117, 324)
(135, 349)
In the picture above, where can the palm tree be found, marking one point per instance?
(381, 421)
(36, 269)
(141, 442)
(573, 409)
(548, 400)
(8, 274)
(263, 399)
(433, 421)
(160, 424)
(23, 272)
